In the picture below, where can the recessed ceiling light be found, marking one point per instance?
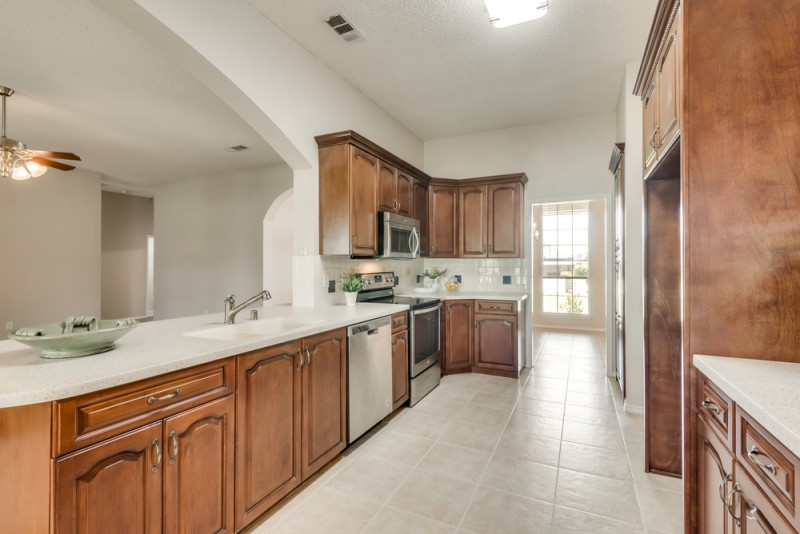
(503, 13)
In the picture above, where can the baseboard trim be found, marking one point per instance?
(579, 328)
(633, 410)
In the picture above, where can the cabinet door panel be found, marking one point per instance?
(404, 194)
(363, 203)
(714, 480)
(268, 428)
(504, 220)
(668, 114)
(459, 335)
(472, 219)
(111, 486)
(198, 469)
(387, 187)
(496, 342)
(442, 221)
(324, 400)
(400, 365)
(649, 134)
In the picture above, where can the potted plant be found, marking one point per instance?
(431, 279)
(351, 285)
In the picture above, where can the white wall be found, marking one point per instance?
(596, 319)
(127, 220)
(278, 249)
(208, 237)
(50, 243)
(563, 159)
(634, 250)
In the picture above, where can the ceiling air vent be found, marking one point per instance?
(237, 148)
(344, 28)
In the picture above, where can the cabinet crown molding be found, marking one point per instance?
(665, 15)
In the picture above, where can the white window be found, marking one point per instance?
(565, 258)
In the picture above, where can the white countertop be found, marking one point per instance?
(461, 294)
(156, 348)
(768, 391)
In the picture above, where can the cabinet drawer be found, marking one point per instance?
(756, 511)
(772, 466)
(496, 306)
(87, 419)
(399, 321)
(717, 409)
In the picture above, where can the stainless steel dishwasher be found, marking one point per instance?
(369, 375)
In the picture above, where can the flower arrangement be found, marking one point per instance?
(351, 282)
(434, 273)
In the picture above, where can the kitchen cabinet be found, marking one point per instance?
(496, 337)
(746, 481)
(660, 101)
(472, 221)
(357, 179)
(290, 418)
(420, 213)
(504, 220)
(179, 470)
(394, 190)
(459, 336)
(442, 221)
(400, 359)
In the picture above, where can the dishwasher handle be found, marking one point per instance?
(369, 327)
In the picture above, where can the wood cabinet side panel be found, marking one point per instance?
(25, 476)
(334, 200)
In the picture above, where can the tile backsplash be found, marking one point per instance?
(476, 274)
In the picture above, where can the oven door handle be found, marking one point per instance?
(427, 310)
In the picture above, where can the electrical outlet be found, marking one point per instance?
(458, 278)
(10, 325)
(331, 286)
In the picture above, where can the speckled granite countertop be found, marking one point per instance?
(768, 391)
(460, 294)
(156, 348)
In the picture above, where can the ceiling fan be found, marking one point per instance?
(19, 162)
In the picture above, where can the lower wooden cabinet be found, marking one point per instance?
(496, 342)
(714, 481)
(290, 418)
(179, 469)
(400, 365)
(458, 338)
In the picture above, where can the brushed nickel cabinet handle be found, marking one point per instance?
(308, 357)
(158, 456)
(174, 439)
(300, 353)
(484, 248)
(355, 239)
(753, 454)
(722, 486)
(152, 399)
(709, 405)
(729, 504)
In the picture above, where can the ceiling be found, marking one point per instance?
(441, 69)
(88, 84)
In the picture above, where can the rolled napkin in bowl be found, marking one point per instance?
(29, 332)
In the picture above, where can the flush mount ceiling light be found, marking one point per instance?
(503, 13)
(19, 162)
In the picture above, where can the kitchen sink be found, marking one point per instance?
(254, 329)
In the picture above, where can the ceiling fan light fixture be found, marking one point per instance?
(504, 13)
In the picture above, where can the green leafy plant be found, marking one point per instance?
(572, 304)
(434, 273)
(581, 271)
(351, 282)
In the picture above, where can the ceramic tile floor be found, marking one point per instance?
(552, 452)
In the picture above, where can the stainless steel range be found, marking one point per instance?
(424, 367)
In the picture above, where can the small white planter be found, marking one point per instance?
(350, 297)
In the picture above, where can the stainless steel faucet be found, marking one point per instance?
(231, 309)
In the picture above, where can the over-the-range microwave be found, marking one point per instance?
(398, 236)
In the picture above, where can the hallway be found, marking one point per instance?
(551, 452)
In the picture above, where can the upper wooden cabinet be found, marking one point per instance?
(357, 179)
(420, 212)
(394, 190)
(488, 217)
(442, 221)
(659, 86)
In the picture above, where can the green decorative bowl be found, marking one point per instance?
(77, 336)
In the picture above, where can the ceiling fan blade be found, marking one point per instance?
(54, 164)
(55, 155)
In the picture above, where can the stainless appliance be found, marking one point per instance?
(369, 373)
(398, 236)
(424, 367)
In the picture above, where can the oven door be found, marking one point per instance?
(425, 340)
(399, 237)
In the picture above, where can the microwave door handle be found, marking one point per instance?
(413, 242)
